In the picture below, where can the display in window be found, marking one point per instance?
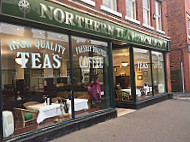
(142, 73)
(90, 74)
(35, 77)
(158, 72)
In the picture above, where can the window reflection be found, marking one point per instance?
(158, 72)
(90, 71)
(142, 73)
(35, 78)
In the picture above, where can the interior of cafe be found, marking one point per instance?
(147, 74)
(36, 77)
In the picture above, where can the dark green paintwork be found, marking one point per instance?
(10, 7)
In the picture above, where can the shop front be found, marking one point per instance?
(57, 69)
(139, 76)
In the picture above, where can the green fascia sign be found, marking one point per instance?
(55, 14)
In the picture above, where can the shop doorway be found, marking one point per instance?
(121, 73)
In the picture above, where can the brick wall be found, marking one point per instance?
(165, 17)
(177, 30)
(176, 22)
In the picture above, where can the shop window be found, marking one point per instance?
(121, 72)
(158, 72)
(143, 77)
(90, 75)
(146, 12)
(158, 16)
(35, 78)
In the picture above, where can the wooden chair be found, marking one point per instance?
(20, 113)
(30, 103)
(55, 99)
(119, 95)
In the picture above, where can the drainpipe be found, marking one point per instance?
(182, 72)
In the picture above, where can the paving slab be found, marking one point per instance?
(168, 121)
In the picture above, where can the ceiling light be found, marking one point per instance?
(18, 61)
(124, 64)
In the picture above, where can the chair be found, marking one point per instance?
(21, 113)
(30, 103)
(119, 94)
(55, 99)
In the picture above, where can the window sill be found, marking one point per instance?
(92, 3)
(160, 31)
(110, 11)
(147, 26)
(132, 20)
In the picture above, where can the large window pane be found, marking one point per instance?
(90, 74)
(158, 72)
(35, 77)
(142, 73)
(121, 65)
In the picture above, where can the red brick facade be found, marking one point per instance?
(178, 31)
(121, 8)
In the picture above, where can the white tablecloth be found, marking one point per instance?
(80, 104)
(147, 89)
(138, 92)
(47, 111)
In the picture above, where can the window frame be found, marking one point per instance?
(133, 17)
(188, 26)
(113, 11)
(90, 2)
(158, 14)
(147, 9)
(133, 9)
(114, 8)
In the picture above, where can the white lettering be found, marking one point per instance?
(35, 59)
(55, 58)
(47, 63)
(69, 18)
(59, 15)
(44, 10)
(23, 58)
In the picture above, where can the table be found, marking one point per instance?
(138, 92)
(47, 111)
(80, 104)
(147, 89)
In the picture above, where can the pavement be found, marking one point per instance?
(167, 121)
